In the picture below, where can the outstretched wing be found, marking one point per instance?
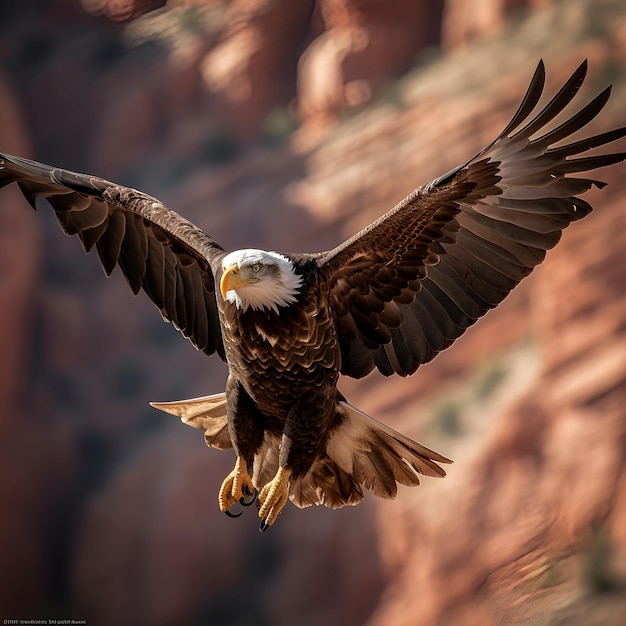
(157, 250)
(408, 285)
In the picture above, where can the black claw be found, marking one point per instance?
(229, 513)
(264, 526)
(249, 499)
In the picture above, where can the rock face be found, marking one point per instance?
(121, 10)
(256, 58)
(36, 465)
(363, 43)
(109, 509)
(464, 23)
(326, 56)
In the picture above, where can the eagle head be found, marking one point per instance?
(259, 280)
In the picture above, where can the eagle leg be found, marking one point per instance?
(237, 487)
(273, 497)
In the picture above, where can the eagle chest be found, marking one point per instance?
(299, 340)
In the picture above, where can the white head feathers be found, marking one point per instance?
(259, 280)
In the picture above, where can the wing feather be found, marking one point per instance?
(89, 236)
(156, 249)
(134, 252)
(562, 98)
(109, 245)
(455, 248)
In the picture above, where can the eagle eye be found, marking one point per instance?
(256, 268)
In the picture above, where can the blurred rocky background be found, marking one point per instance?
(289, 125)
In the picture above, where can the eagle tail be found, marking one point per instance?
(362, 452)
(207, 413)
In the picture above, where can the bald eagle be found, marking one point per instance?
(390, 298)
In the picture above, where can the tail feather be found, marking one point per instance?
(326, 484)
(363, 452)
(360, 453)
(207, 413)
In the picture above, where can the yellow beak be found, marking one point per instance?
(231, 279)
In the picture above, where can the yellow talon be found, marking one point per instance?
(236, 485)
(273, 497)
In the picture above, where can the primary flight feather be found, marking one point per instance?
(390, 298)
